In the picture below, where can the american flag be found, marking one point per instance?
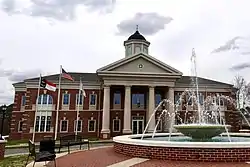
(66, 75)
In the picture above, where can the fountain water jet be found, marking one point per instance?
(201, 130)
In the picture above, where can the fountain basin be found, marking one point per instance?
(201, 131)
(132, 145)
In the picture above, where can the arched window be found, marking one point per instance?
(44, 113)
(45, 99)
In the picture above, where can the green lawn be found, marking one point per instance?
(14, 161)
(17, 142)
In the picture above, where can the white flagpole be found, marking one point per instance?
(58, 102)
(78, 105)
(37, 99)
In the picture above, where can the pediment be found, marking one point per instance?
(140, 63)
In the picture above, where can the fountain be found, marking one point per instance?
(201, 130)
(204, 136)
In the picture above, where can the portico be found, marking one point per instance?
(130, 106)
(136, 71)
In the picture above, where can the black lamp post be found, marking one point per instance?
(3, 112)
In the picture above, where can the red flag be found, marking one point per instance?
(66, 75)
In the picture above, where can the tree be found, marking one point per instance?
(243, 92)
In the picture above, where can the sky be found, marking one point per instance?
(37, 36)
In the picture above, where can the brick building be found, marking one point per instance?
(120, 97)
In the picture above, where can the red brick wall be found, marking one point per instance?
(185, 154)
(28, 115)
(18, 100)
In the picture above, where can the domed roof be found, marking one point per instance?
(137, 36)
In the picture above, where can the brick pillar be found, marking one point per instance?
(2, 149)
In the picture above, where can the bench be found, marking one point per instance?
(72, 140)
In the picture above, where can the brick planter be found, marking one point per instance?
(132, 145)
(185, 154)
(2, 149)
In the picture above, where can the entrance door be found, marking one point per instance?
(137, 125)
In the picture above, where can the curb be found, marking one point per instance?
(37, 144)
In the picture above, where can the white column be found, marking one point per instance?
(106, 113)
(127, 111)
(151, 108)
(170, 107)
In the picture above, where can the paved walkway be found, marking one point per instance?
(106, 157)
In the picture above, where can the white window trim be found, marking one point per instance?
(77, 95)
(119, 125)
(19, 126)
(90, 99)
(94, 124)
(75, 128)
(61, 126)
(63, 100)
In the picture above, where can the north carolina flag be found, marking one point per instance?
(47, 85)
(66, 75)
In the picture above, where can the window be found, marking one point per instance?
(214, 99)
(201, 98)
(92, 100)
(43, 115)
(79, 126)
(43, 123)
(157, 99)
(177, 98)
(81, 99)
(91, 125)
(129, 50)
(20, 126)
(116, 125)
(23, 100)
(159, 122)
(138, 100)
(189, 99)
(221, 102)
(45, 99)
(64, 126)
(137, 49)
(66, 99)
(145, 49)
(117, 98)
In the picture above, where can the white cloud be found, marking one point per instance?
(62, 10)
(148, 23)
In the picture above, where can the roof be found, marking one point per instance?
(75, 76)
(88, 77)
(202, 81)
(137, 36)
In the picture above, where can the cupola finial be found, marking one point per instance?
(137, 27)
